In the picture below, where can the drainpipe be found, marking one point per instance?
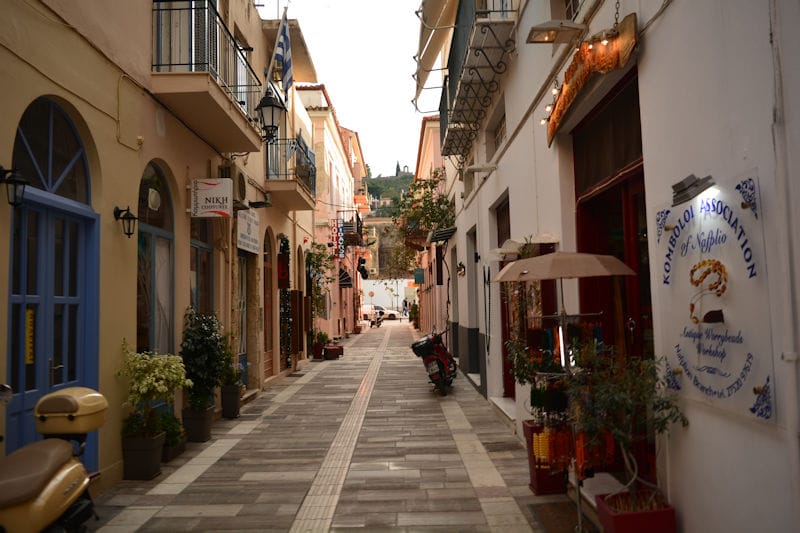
(783, 189)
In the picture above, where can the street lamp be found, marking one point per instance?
(270, 113)
(15, 186)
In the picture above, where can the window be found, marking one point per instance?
(201, 266)
(154, 298)
(571, 8)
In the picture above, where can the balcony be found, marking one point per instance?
(291, 174)
(361, 201)
(353, 227)
(201, 73)
(479, 51)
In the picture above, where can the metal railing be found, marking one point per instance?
(292, 159)
(190, 36)
(469, 11)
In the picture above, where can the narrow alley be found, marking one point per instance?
(359, 443)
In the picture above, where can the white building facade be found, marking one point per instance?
(609, 169)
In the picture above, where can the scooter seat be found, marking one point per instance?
(25, 472)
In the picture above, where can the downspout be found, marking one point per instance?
(782, 187)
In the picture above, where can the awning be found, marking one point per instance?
(437, 18)
(441, 235)
(345, 281)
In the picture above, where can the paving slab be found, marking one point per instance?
(361, 443)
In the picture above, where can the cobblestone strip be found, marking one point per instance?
(498, 504)
(316, 512)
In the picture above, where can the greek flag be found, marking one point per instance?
(283, 53)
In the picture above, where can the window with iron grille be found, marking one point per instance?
(571, 8)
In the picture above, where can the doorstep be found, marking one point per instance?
(507, 408)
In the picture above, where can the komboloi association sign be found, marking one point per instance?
(712, 282)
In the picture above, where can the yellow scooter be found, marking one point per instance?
(44, 485)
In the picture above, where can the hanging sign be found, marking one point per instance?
(340, 240)
(212, 198)
(334, 227)
(247, 231)
(711, 277)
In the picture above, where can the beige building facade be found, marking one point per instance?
(147, 109)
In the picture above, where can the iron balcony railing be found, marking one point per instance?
(190, 36)
(468, 12)
(292, 159)
(353, 227)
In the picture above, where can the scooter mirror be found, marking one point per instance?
(5, 393)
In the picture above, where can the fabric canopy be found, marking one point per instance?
(345, 280)
(436, 27)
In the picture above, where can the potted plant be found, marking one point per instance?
(205, 353)
(624, 398)
(174, 436)
(231, 391)
(319, 262)
(333, 350)
(320, 342)
(152, 379)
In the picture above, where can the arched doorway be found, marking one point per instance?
(154, 290)
(54, 261)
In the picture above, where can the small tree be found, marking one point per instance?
(425, 207)
(319, 262)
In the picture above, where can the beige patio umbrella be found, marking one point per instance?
(560, 265)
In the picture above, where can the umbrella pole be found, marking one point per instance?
(562, 323)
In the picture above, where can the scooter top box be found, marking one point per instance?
(70, 411)
(423, 347)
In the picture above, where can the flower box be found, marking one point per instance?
(661, 520)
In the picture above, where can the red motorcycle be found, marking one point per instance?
(440, 364)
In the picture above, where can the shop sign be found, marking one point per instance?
(592, 57)
(334, 227)
(212, 198)
(340, 240)
(711, 275)
(247, 231)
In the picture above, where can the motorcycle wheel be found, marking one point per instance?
(441, 386)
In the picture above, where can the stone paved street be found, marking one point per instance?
(360, 443)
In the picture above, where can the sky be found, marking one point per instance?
(363, 52)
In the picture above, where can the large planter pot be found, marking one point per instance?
(168, 453)
(198, 424)
(231, 400)
(334, 352)
(544, 480)
(141, 456)
(654, 521)
(318, 350)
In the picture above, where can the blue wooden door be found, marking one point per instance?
(48, 319)
(53, 264)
